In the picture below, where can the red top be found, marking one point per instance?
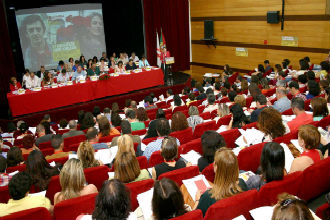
(313, 154)
(13, 88)
(301, 119)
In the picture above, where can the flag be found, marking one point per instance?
(158, 52)
(162, 39)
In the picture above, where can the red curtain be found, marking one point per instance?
(7, 66)
(172, 17)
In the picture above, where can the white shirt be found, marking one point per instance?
(62, 78)
(32, 83)
(25, 77)
(136, 59)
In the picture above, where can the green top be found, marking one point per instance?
(137, 126)
(206, 200)
(144, 175)
(91, 72)
(317, 118)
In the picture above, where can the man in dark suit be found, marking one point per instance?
(261, 102)
(41, 72)
(73, 130)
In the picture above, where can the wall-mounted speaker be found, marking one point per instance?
(273, 17)
(208, 29)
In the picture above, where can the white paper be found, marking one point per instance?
(252, 137)
(246, 175)
(296, 144)
(73, 156)
(143, 147)
(52, 164)
(141, 104)
(262, 213)
(144, 199)
(191, 186)
(33, 129)
(236, 150)
(287, 118)
(192, 157)
(42, 193)
(241, 217)
(13, 173)
(288, 157)
(106, 155)
(161, 98)
(111, 175)
(150, 170)
(122, 116)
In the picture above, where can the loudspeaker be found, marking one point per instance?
(208, 29)
(273, 17)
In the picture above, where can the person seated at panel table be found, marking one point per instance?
(60, 65)
(143, 62)
(103, 65)
(94, 70)
(48, 79)
(134, 57)
(112, 62)
(33, 81)
(14, 85)
(131, 65)
(63, 76)
(41, 72)
(120, 68)
(104, 56)
(25, 77)
(80, 73)
(76, 64)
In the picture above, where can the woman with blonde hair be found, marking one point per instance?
(239, 99)
(223, 110)
(125, 144)
(127, 168)
(73, 182)
(86, 155)
(226, 181)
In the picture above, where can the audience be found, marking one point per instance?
(73, 182)
(63, 124)
(302, 118)
(239, 119)
(177, 101)
(42, 135)
(115, 119)
(135, 124)
(169, 151)
(179, 122)
(282, 103)
(39, 170)
(85, 154)
(272, 163)
(194, 118)
(93, 139)
(88, 121)
(320, 108)
(28, 144)
(14, 157)
(239, 99)
(58, 144)
(309, 139)
(211, 142)
(73, 130)
(149, 103)
(223, 110)
(19, 187)
(142, 115)
(105, 127)
(294, 90)
(261, 102)
(127, 168)
(4, 177)
(313, 89)
(211, 104)
(151, 132)
(126, 129)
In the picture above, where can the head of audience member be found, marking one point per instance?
(223, 110)
(82, 59)
(133, 104)
(319, 106)
(281, 77)
(72, 125)
(244, 85)
(217, 86)
(126, 127)
(254, 90)
(323, 85)
(115, 108)
(308, 137)
(326, 95)
(169, 93)
(239, 118)
(223, 92)
(40, 130)
(72, 179)
(92, 135)
(291, 207)
(14, 157)
(191, 96)
(88, 120)
(19, 185)
(272, 162)
(115, 119)
(106, 110)
(294, 88)
(264, 83)
(76, 63)
(261, 68)
(177, 100)
(167, 200)
(285, 63)
(57, 142)
(226, 174)
(179, 122)
(186, 90)
(81, 115)
(297, 105)
(46, 125)
(104, 126)
(96, 111)
(313, 88)
(270, 123)
(280, 92)
(39, 169)
(160, 113)
(278, 67)
(86, 155)
(193, 110)
(63, 123)
(163, 127)
(11, 127)
(261, 101)
(199, 87)
(13, 81)
(209, 91)
(232, 95)
(148, 100)
(141, 114)
(227, 85)
(211, 99)
(303, 64)
(310, 75)
(211, 142)
(126, 167)
(47, 118)
(28, 141)
(80, 69)
(3, 164)
(130, 62)
(95, 60)
(131, 115)
(302, 79)
(240, 99)
(125, 144)
(255, 79)
(27, 72)
(23, 128)
(113, 201)
(169, 149)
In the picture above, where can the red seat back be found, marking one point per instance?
(323, 211)
(224, 100)
(248, 101)
(287, 112)
(73, 140)
(61, 132)
(208, 172)
(137, 188)
(303, 89)
(268, 194)
(195, 145)
(29, 214)
(205, 115)
(96, 175)
(4, 194)
(233, 206)
(107, 139)
(139, 132)
(192, 215)
(230, 137)
(47, 151)
(225, 120)
(201, 128)
(250, 125)
(148, 140)
(316, 179)
(54, 186)
(143, 162)
(146, 123)
(180, 174)
(324, 122)
(201, 107)
(45, 145)
(183, 136)
(61, 160)
(180, 108)
(161, 104)
(249, 158)
(155, 158)
(20, 168)
(286, 138)
(71, 208)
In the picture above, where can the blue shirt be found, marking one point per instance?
(282, 104)
(78, 75)
(74, 68)
(143, 64)
(99, 146)
(155, 146)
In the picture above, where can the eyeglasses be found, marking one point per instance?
(285, 203)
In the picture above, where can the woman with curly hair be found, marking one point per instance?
(86, 155)
(179, 122)
(271, 124)
(141, 114)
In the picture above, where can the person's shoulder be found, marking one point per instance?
(90, 188)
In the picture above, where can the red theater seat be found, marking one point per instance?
(97, 175)
(139, 132)
(155, 158)
(205, 115)
(107, 139)
(143, 162)
(4, 194)
(287, 112)
(230, 137)
(181, 174)
(29, 214)
(53, 187)
(248, 101)
(192, 215)
(180, 108)
(286, 138)
(208, 172)
(250, 126)
(73, 140)
(137, 188)
(70, 209)
(201, 128)
(249, 158)
(19, 168)
(61, 132)
(45, 145)
(148, 140)
(195, 145)
(183, 136)
(225, 120)
(323, 211)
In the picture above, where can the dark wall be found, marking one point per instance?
(123, 25)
